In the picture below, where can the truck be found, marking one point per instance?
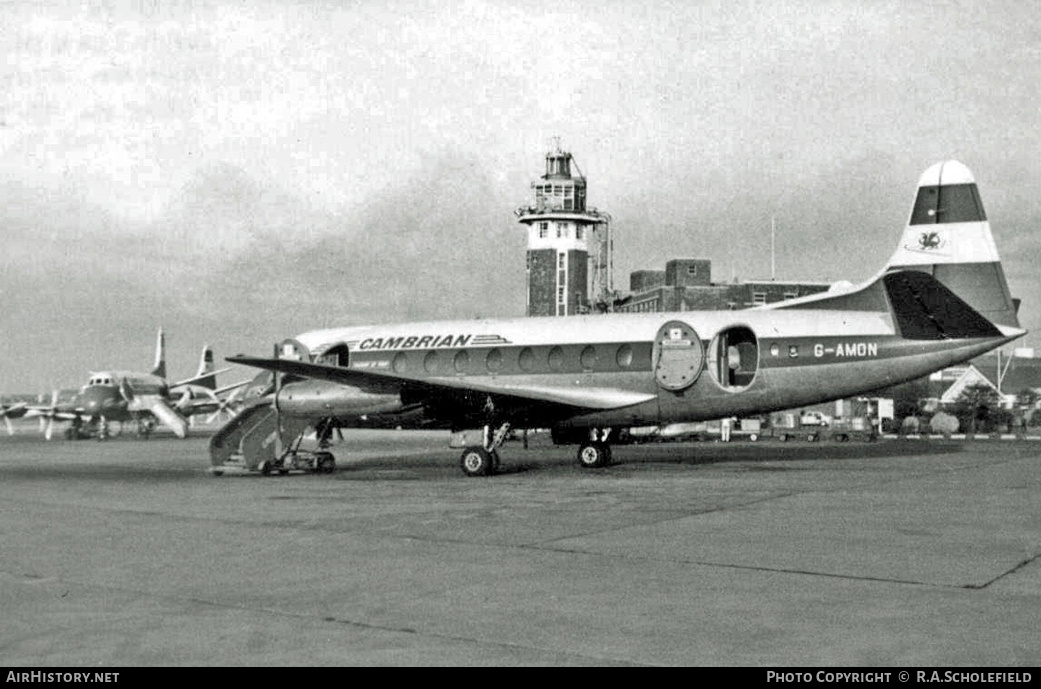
(815, 426)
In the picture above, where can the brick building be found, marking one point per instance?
(686, 285)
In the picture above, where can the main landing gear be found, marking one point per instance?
(595, 452)
(483, 459)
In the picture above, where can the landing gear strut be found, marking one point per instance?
(483, 460)
(595, 452)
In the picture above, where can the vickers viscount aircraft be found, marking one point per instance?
(942, 299)
(12, 411)
(144, 398)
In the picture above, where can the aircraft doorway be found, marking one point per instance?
(679, 356)
(733, 358)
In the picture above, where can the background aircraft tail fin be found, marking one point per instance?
(159, 369)
(948, 236)
(206, 376)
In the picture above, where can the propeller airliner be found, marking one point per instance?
(942, 299)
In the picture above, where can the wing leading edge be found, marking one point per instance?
(374, 380)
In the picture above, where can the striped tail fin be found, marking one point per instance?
(206, 367)
(948, 236)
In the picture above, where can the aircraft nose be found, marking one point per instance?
(99, 400)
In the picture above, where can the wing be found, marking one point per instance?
(384, 381)
(196, 378)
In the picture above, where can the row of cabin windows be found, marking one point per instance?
(528, 360)
(563, 230)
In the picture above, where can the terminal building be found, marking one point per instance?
(686, 285)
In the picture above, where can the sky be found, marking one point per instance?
(240, 172)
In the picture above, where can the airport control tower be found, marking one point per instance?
(569, 245)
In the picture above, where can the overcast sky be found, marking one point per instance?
(239, 172)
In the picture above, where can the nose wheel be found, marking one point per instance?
(592, 454)
(477, 461)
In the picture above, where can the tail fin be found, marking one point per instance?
(948, 236)
(206, 367)
(160, 355)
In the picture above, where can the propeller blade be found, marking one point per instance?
(50, 428)
(10, 428)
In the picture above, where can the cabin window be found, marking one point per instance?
(793, 351)
(430, 362)
(400, 363)
(624, 356)
(526, 360)
(461, 361)
(556, 359)
(493, 362)
(588, 358)
(774, 349)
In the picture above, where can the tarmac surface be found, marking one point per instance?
(897, 553)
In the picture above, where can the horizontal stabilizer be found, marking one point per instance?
(202, 380)
(926, 310)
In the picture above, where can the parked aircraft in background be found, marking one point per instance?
(13, 410)
(143, 398)
(942, 299)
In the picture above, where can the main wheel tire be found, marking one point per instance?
(593, 455)
(264, 468)
(476, 461)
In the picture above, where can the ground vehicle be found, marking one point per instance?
(815, 426)
(814, 418)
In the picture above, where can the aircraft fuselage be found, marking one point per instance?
(726, 363)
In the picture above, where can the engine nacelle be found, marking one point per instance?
(319, 398)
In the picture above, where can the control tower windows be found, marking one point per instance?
(557, 197)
